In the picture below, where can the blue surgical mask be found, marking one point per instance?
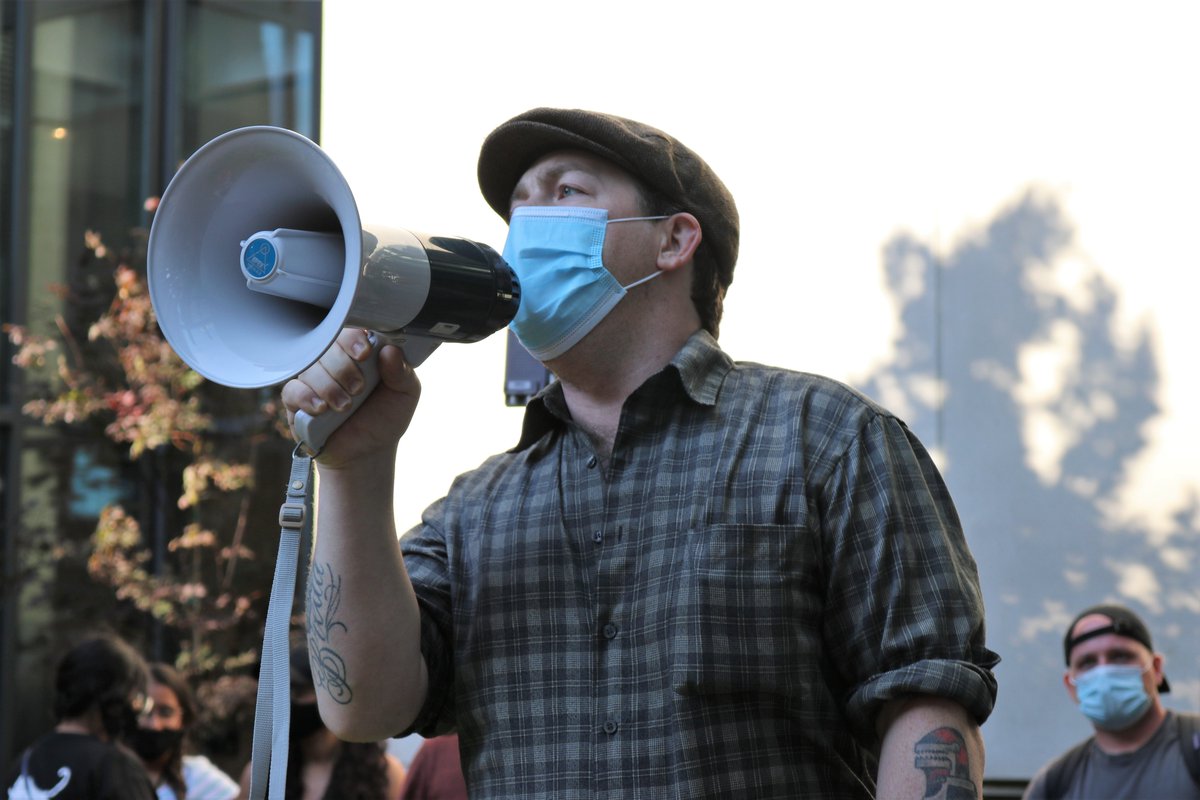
(565, 289)
(1112, 696)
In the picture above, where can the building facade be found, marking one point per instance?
(100, 101)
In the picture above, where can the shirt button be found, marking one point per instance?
(610, 727)
(597, 536)
(611, 631)
(591, 462)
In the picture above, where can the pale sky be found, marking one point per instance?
(835, 126)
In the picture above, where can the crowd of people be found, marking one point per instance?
(691, 577)
(122, 733)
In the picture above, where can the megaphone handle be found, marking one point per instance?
(314, 431)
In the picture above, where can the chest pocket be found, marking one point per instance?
(747, 614)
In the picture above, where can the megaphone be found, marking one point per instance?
(257, 259)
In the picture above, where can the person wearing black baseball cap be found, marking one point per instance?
(1139, 749)
(691, 577)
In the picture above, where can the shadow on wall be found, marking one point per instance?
(1009, 366)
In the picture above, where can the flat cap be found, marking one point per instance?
(655, 158)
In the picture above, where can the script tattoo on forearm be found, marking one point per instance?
(324, 599)
(943, 756)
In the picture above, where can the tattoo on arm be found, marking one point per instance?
(943, 756)
(324, 599)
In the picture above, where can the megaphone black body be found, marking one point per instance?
(258, 258)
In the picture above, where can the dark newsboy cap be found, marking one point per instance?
(655, 158)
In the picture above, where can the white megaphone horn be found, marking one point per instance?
(257, 259)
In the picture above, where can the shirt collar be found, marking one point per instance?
(700, 365)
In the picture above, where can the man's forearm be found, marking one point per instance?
(930, 748)
(362, 616)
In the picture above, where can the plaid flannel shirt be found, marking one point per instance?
(720, 610)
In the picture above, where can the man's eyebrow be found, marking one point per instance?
(552, 173)
(1109, 652)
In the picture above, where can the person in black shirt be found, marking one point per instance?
(100, 690)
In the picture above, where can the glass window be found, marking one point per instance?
(96, 97)
(85, 143)
(248, 66)
(82, 152)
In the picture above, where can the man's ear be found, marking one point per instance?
(682, 237)
(1070, 687)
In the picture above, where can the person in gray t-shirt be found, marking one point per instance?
(1140, 749)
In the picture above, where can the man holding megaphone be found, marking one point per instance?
(690, 577)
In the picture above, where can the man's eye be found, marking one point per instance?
(567, 191)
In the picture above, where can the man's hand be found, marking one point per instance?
(375, 428)
(370, 677)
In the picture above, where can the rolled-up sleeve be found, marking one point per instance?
(905, 610)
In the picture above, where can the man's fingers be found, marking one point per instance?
(334, 379)
(299, 396)
(355, 342)
(334, 383)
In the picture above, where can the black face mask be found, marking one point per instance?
(306, 720)
(153, 745)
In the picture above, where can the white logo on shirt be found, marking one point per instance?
(26, 789)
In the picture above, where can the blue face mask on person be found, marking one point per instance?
(1112, 696)
(565, 288)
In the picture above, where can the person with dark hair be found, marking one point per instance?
(691, 577)
(1139, 748)
(160, 739)
(100, 690)
(321, 766)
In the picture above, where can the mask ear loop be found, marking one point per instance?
(638, 219)
(655, 274)
(640, 281)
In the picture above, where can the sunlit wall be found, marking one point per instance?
(983, 216)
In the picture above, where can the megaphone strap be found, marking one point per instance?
(272, 712)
